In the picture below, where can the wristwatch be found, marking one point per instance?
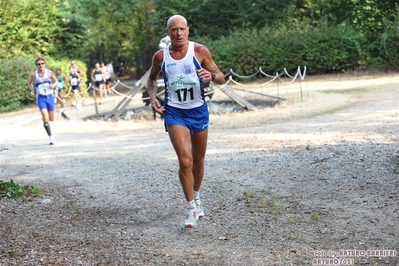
(213, 76)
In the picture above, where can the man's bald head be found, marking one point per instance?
(175, 18)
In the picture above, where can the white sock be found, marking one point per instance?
(196, 195)
(191, 204)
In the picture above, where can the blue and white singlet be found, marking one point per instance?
(42, 84)
(183, 87)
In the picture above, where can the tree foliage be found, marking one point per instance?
(118, 30)
(390, 41)
(71, 32)
(28, 27)
(327, 36)
(219, 18)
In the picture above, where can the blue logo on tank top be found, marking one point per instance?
(187, 69)
(171, 64)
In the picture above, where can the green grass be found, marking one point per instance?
(249, 195)
(11, 189)
(77, 211)
(268, 202)
(278, 208)
(11, 252)
(316, 217)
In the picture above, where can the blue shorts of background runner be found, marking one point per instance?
(45, 102)
(196, 119)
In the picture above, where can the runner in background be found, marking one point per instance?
(108, 77)
(75, 85)
(98, 78)
(111, 67)
(61, 91)
(78, 73)
(42, 83)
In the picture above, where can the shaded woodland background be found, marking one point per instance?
(325, 36)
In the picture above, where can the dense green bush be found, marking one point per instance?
(390, 41)
(14, 77)
(325, 49)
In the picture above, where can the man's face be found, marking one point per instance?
(40, 64)
(178, 32)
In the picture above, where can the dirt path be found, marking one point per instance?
(318, 173)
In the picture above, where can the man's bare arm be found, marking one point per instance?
(53, 79)
(209, 66)
(152, 84)
(31, 81)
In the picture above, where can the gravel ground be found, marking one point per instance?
(313, 177)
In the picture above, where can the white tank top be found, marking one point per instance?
(107, 73)
(42, 84)
(183, 87)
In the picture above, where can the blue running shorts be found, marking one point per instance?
(45, 102)
(196, 119)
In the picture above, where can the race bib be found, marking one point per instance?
(44, 89)
(184, 89)
(98, 77)
(59, 85)
(74, 82)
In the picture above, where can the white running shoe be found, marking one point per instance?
(51, 140)
(74, 103)
(191, 218)
(200, 209)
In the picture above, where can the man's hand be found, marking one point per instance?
(205, 74)
(157, 107)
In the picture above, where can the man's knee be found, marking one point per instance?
(186, 163)
(199, 162)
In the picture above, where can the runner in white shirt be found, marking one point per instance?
(185, 65)
(42, 83)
